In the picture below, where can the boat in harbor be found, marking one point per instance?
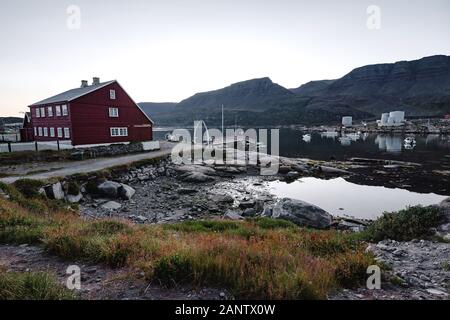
(306, 137)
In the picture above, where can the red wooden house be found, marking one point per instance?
(101, 113)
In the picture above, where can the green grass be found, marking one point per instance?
(257, 258)
(32, 286)
(405, 225)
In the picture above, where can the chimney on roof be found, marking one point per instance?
(95, 81)
(84, 83)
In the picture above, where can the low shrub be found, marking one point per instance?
(32, 286)
(405, 225)
(29, 187)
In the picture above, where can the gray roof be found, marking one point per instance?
(73, 93)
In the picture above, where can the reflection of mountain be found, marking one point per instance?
(392, 144)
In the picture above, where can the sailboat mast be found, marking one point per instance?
(222, 121)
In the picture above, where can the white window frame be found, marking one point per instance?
(66, 133)
(45, 132)
(42, 112)
(40, 131)
(58, 111)
(65, 110)
(112, 94)
(38, 112)
(50, 111)
(35, 131)
(60, 132)
(118, 132)
(52, 132)
(113, 112)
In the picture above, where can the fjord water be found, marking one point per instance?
(340, 197)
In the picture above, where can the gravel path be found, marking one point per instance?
(68, 168)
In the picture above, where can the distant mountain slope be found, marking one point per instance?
(420, 87)
(312, 88)
(254, 94)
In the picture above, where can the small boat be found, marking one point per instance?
(410, 141)
(306, 137)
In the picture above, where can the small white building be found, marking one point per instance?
(347, 121)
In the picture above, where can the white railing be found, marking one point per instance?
(36, 146)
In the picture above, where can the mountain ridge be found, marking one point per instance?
(420, 87)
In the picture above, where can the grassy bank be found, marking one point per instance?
(259, 258)
(32, 286)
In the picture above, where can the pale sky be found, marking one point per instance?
(167, 50)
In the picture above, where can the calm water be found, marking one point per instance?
(340, 197)
(430, 149)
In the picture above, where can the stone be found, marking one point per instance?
(196, 177)
(437, 292)
(232, 215)
(109, 189)
(250, 212)
(301, 213)
(126, 192)
(221, 198)
(3, 195)
(54, 191)
(111, 205)
(284, 169)
(246, 204)
(332, 170)
(74, 199)
(187, 191)
(292, 175)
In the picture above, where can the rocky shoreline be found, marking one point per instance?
(168, 193)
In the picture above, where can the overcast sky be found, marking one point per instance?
(167, 50)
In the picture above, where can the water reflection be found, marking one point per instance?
(389, 143)
(339, 197)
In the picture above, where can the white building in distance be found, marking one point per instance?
(392, 119)
(347, 121)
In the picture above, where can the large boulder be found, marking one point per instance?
(302, 213)
(126, 192)
(445, 206)
(54, 191)
(74, 198)
(109, 189)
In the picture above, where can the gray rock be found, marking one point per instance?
(332, 170)
(301, 213)
(250, 212)
(232, 215)
(292, 175)
(74, 199)
(3, 195)
(54, 191)
(247, 204)
(187, 191)
(111, 205)
(196, 177)
(221, 198)
(126, 192)
(109, 189)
